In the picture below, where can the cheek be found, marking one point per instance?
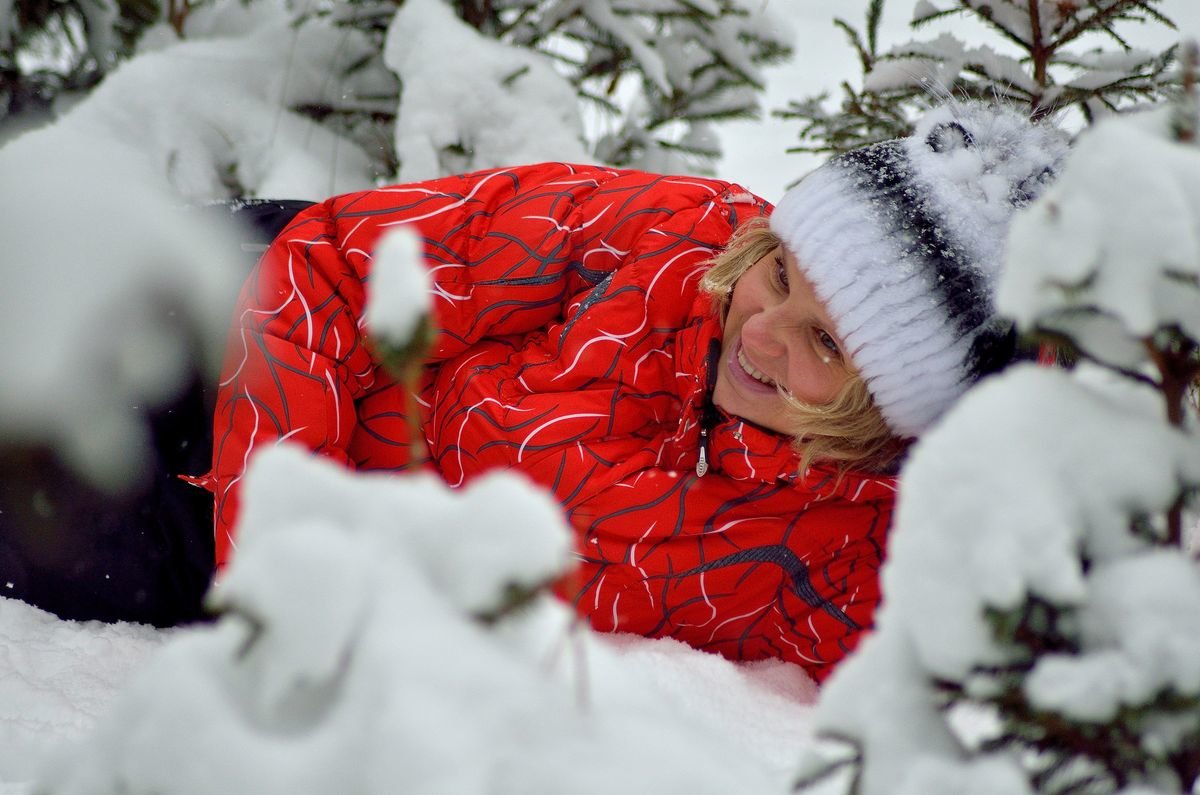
(812, 380)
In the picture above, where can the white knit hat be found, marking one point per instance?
(903, 242)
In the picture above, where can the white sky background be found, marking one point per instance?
(755, 151)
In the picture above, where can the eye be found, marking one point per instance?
(828, 342)
(779, 274)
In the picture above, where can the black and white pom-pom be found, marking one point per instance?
(979, 162)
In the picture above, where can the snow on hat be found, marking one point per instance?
(903, 242)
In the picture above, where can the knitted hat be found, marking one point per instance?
(903, 242)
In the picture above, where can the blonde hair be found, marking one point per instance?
(849, 430)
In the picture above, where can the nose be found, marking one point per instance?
(761, 336)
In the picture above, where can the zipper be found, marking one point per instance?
(708, 413)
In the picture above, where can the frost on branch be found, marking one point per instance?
(1040, 629)
(398, 313)
(398, 293)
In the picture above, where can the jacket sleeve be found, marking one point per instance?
(508, 250)
(294, 361)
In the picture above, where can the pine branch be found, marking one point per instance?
(865, 57)
(506, 30)
(1186, 764)
(1174, 355)
(1100, 19)
(987, 17)
(855, 761)
(917, 24)
(1037, 48)
(1155, 14)
(1186, 112)
(1112, 34)
(603, 101)
(1072, 349)
(874, 15)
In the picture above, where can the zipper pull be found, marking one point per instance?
(708, 412)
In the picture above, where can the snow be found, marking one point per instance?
(934, 65)
(958, 550)
(1141, 611)
(1027, 529)
(399, 287)
(923, 10)
(1006, 15)
(987, 775)
(57, 678)
(1112, 61)
(1094, 79)
(349, 656)
(471, 102)
(873, 693)
(233, 123)
(158, 282)
(1141, 210)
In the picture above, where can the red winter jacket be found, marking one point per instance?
(571, 343)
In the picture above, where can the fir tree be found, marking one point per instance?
(1054, 67)
(686, 64)
(1041, 622)
(657, 75)
(53, 48)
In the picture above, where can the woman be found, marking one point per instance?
(718, 401)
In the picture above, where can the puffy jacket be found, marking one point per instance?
(572, 343)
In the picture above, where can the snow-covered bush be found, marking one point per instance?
(1046, 56)
(361, 650)
(1041, 623)
(466, 85)
(652, 77)
(113, 296)
(217, 112)
(496, 106)
(52, 52)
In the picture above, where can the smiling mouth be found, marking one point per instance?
(751, 370)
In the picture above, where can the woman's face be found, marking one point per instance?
(777, 334)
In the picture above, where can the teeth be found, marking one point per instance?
(751, 370)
